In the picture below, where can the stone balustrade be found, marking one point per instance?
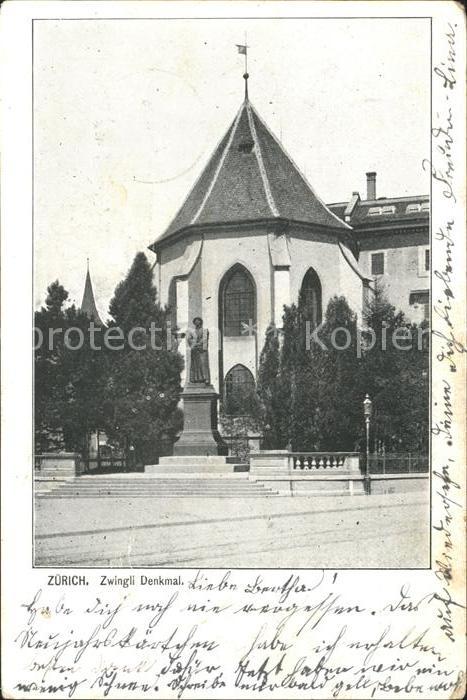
(306, 473)
(303, 464)
(332, 461)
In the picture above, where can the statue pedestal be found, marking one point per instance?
(200, 435)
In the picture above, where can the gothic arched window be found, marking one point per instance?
(239, 388)
(238, 302)
(310, 298)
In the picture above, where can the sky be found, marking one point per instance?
(127, 113)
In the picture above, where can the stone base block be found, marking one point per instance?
(200, 435)
(327, 487)
(58, 465)
(400, 483)
(333, 485)
(193, 460)
(196, 464)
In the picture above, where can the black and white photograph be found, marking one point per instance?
(233, 349)
(232, 293)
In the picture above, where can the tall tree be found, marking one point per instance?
(49, 379)
(69, 376)
(414, 409)
(143, 385)
(394, 373)
(85, 368)
(339, 404)
(273, 398)
(134, 302)
(287, 384)
(299, 362)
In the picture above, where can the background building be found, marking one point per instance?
(393, 241)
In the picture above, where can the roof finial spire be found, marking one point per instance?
(243, 49)
(87, 263)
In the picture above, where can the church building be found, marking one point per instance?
(250, 236)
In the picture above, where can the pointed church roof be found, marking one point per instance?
(88, 305)
(251, 177)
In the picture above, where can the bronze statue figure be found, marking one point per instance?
(199, 355)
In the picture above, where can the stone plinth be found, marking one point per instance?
(58, 465)
(200, 435)
(207, 464)
(269, 462)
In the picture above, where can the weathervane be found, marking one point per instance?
(243, 49)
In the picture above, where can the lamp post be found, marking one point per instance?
(367, 411)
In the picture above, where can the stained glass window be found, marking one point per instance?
(239, 389)
(310, 297)
(239, 304)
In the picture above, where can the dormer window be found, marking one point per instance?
(377, 211)
(412, 208)
(246, 146)
(425, 206)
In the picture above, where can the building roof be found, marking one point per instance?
(88, 305)
(385, 211)
(250, 177)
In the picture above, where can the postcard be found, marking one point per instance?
(234, 350)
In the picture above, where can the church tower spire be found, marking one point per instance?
(88, 305)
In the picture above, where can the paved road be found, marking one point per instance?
(320, 532)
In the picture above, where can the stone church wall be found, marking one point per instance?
(191, 272)
(322, 254)
(220, 252)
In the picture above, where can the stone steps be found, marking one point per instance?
(155, 487)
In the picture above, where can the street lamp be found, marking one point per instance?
(367, 411)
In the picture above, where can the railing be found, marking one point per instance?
(389, 463)
(106, 464)
(398, 463)
(335, 461)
